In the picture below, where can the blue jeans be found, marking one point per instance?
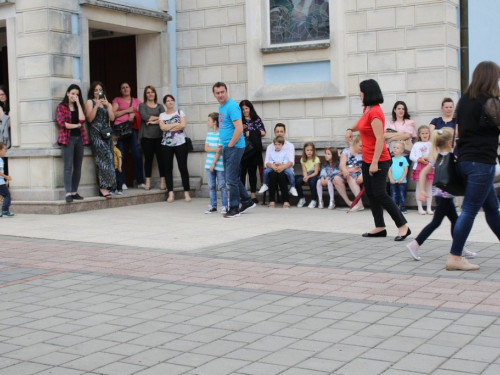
(231, 156)
(398, 194)
(213, 178)
(312, 185)
(5, 193)
(288, 173)
(136, 156)
(479, 192)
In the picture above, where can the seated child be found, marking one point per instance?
(278, 158)
(329, 169)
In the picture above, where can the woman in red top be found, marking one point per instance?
(376, 161)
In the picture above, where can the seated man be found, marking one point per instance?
(279, 131)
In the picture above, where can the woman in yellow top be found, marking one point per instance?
(310, 174)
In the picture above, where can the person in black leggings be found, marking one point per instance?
(282, 181)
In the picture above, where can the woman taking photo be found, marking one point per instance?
(125, 108)
(400, 128)
(254, 130)
(477, 158)
(99, 113)
(150, 135)
(173, 123)
(376, 161)
(72, 138)
(447, 120)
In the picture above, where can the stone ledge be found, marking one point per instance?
(128, 9)
(299, 47)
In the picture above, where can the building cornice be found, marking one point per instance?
(126, 9)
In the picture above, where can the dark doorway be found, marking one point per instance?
(113, 61)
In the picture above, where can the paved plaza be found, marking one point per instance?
(165, 289)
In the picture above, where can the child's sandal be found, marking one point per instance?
(271, 205)
(286, 205)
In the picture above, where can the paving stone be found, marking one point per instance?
(93, 361)
(419, 363)
(55, 359)
(364, 366)
(165, 368)
(220, 366)
(462, 365)
(119, 368)
(321, 364)
(23, 368)
(60, 371)
(151, 357)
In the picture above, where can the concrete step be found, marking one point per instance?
(130, 197)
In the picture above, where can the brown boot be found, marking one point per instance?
(460, 265)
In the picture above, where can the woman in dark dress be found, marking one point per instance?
(99, 113)
(254, 130)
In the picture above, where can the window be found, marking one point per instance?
(293, 21)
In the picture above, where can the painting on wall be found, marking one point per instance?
(293, 21)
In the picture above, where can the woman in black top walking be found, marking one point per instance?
(478, 123)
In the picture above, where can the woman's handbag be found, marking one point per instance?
(106, 133)
(189, 144)
(122, 130)
(446, 176)
(249, 150)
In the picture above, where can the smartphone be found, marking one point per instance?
(101, 95)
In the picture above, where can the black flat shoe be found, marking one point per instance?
(77, 197)
(402, 238)
(382, 233)
(69, 198)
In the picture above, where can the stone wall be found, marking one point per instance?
(409, 46)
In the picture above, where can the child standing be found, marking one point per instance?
(397, 176)
(277, 158)
(118, 165)
(214, 165)
(420, 157)
(4, 190)
(310, 172)
(329, 170)
(441, 143)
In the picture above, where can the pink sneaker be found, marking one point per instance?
(413, 247)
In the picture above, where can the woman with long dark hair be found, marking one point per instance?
(4, 120)
(376, 161)
(400, 128)
(72, 138)
(478, 120)
(126, 109)
(99, 113)
(254, 130)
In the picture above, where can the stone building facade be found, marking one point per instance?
(411, 47)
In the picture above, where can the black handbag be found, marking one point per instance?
(189, 144)
(446, 176)
(249, 150)
(106, 133)
(122, 130)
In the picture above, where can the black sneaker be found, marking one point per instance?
(211, 210)
(78, 197)
(69, 198)
(246, 207)
(255, 200)
(233, 212)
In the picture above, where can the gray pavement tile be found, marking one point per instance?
(181, 345)
(466, 330)
(379, 331)
(493, 369)
(301, 371)
(119, 368)
(342, 352)
(147, 327)
(350, 325)
(191, 359)
(364, 366)
(419, 363)
(418, 333)
(89, 347)
(383, 355)
(220, 366)
(262, 368)
(6, 348)
(271, 343)
(478, 353)
(7, 362)
(93, 361)
(60, 371)
(287, 357)
(313, 323)
(462, 365)
(218, 348)
(155, 339)
(247, 354)
(321, 364)
(151, 357)
(67, 340)
(55, 359)
(330, 335)
(23, 368)
(120, 336)
(431, 324)
(294, 333)
(404, 344)
(32, 338)
(437, 350)
(451, 339)
(207, 335)
(126, 349)
(33, 351)
(165, 368)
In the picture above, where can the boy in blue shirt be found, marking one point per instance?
(4, 190)
(397, 176)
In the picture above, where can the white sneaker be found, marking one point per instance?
(320, 204)
(413, 247)
(331, 206)
(312, 204)
(264, 188)
(223, 210)
(302, 202)
(468, 254)
(124, 187)
(293, 191)
(141, 186)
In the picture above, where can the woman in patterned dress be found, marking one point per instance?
(99, 112)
